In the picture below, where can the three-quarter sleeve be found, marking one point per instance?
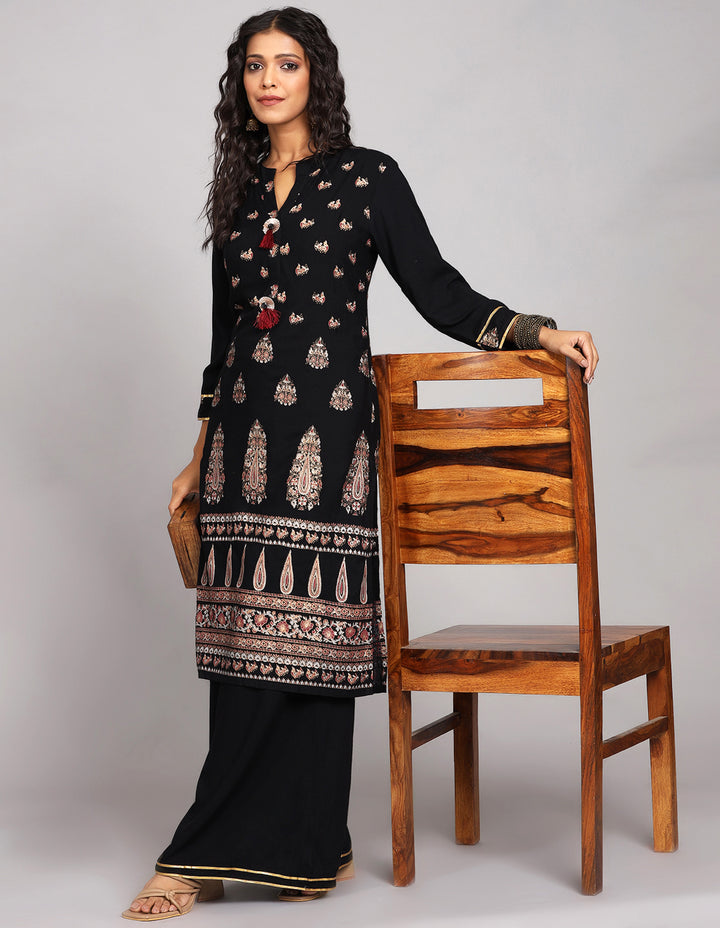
(435, 288)
(223, 322)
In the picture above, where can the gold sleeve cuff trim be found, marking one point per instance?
(204, 396)
(477, 340)
(502, 340)
(203, 418)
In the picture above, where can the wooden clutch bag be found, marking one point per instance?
(185, 537)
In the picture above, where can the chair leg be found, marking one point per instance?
(467, 785)
(591, 798)
(662, 758)
(403, 832)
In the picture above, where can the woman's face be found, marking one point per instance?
(276, 67)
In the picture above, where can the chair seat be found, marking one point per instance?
(525, 658)
(520, 642)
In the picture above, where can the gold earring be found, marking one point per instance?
(252, 125)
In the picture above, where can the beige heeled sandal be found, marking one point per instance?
(346, 871)
(200, 890)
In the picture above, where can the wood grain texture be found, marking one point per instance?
(662, 756)
(465, 760)
(185, 538)
(653, 728)
(591, 705)
(532, 678)
(523, 642)
(399, 701)
(506, 485)
(434, 730)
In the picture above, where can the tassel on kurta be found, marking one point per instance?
(269, 226)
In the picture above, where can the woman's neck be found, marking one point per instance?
(288, 145)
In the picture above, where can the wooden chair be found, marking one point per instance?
(510, 485)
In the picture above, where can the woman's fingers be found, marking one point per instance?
(578, 346)
(177, 497)
(587, 346)
(187, 481)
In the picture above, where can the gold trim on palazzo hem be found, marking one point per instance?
(281, 880)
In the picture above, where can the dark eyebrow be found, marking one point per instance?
(286, 55)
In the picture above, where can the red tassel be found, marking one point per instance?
(267, 317)
(267, 240)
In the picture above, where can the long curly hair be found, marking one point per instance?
(237, 150)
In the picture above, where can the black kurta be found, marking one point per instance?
(288, 592)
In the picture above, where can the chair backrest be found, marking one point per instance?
(500, 485)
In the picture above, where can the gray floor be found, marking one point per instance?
(71, 863)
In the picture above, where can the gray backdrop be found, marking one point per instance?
(566, 157)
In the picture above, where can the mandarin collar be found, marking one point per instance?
(302, 167)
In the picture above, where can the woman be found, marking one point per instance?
(289, 626)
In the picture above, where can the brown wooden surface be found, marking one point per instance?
(662, 757)
(185, 538)
(465, 760)
(633, 658)
(399, 702)
(553, 413)
(434, 730)
(518, 642)
(506, 485)
(591, 706)
(653, 728)
(462, 499)
(535, 678)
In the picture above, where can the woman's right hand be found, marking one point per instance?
(186, 482)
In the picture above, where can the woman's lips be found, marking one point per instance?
(270, 101)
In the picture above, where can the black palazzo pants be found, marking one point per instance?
(272, 798)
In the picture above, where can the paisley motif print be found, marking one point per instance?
(364, 366)
(364, 586)
(230, 355)
(242, 568)
(287, 577)
(239, 395)
(341, 398)
(315, 581)
(263, 350)
(305, 480)
(357, 483)
(211, 566)
(254, 474)
(260, 574)
(285, 392)
(341, 587)
(215, 475)
(490, 339)
(317, 356)
(228, 567)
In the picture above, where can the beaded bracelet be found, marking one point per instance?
(527, 328)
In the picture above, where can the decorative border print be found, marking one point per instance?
(291, 533)
(298, 640)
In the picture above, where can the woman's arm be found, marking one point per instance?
(188, 480)
(223, 322)
(442, 295)
(224, 317)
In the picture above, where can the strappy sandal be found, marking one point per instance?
(346, 871)
(200, 890)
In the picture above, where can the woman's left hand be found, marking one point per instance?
(578, 346)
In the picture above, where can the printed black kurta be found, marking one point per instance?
(288, 593)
